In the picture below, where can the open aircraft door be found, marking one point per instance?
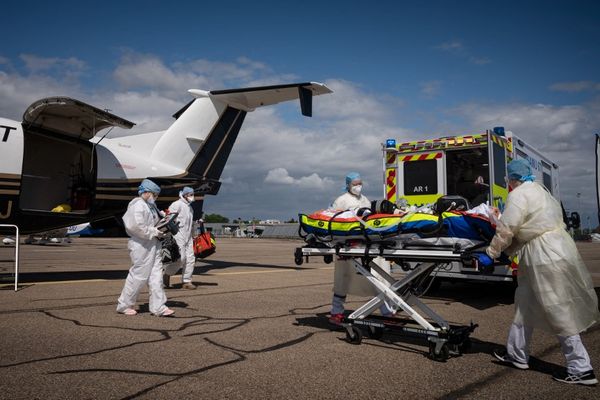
(499, 152)
(59, 161)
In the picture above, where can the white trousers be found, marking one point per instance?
(187, 261)
(146, 269)
(519, 339)
(346, 280)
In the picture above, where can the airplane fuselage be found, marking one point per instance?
(97, 181)
(57, 170)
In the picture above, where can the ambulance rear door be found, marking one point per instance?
(421, 177)
(499, 150)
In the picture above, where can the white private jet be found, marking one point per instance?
(54, 160)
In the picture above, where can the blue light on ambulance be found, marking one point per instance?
(390, 143)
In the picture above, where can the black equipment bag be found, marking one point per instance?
(170, 250)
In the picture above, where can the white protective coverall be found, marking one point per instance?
(144, 250)
(184, 239)
(345, 278)
(555, 290)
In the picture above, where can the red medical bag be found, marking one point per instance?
(204, 243)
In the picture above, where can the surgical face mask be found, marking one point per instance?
(190, 199)
(149, 197)
(356, 190)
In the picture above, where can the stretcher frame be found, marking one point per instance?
(443, 339)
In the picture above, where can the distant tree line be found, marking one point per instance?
(217, 218)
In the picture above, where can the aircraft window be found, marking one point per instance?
(420, 177)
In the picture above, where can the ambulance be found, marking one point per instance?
(472, 166)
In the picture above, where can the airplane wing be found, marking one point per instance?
(248, 99)
(71, 117)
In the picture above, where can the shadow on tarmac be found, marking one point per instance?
(479, 295)
(33, 277)
(218, 265)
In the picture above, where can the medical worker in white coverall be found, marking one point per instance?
(184, 239)
(555, 291)
(346, 280)
(144, 250)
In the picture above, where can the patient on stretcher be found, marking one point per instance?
(409, 225)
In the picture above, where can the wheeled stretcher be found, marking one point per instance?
(417, 318)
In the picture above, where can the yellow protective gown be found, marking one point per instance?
(555, 291)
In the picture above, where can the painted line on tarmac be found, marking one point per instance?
(215, 274)
(264, 271)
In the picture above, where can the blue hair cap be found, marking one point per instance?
(186, 191)
(351, 177)
(520, 170)
(148, 186)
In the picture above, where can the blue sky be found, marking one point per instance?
(403, 69)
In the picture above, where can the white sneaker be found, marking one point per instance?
(129, 311)
(502, 356)
(587, 378)
(167, 313)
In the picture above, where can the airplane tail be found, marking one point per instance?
(200, 140)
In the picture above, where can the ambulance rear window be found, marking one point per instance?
(499, 165)
(420, 177)
(547, 181)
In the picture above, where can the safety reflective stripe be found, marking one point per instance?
(502, 142)
(421, 157)
(390, 182)
(391, 158)
(435, 144)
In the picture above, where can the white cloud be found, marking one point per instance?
(453, 46)
(480, 60)
(279, 175)
(459, 49)
(283, 163)
(431, 88)
(36, 64)
(313, 181)
(565, 134)
(578, 86)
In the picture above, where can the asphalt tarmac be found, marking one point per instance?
(255, 328)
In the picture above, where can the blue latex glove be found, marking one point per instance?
(484, 259)
(504, 259)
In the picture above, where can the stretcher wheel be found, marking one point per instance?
(328, 259)
(375, 332)
(443, 354)
(354, 335)
(298, 259)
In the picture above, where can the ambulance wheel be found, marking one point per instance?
(328, 259)
(442, 356)
(375, 332)
(353, 335)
